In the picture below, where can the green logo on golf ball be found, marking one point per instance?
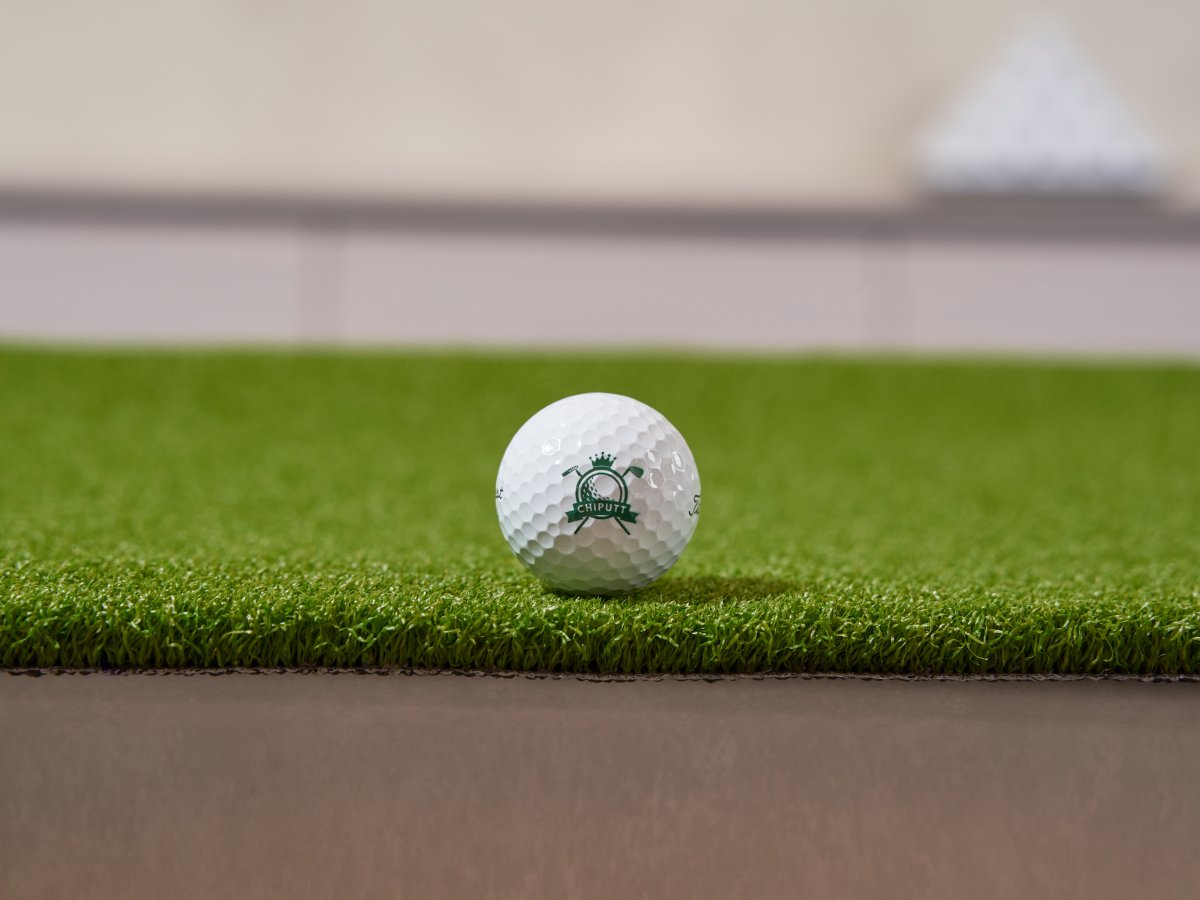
(601, 493)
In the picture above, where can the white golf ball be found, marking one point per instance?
(598, 494)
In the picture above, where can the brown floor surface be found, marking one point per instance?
(433, 786)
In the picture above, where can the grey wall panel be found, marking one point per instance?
(292, 277)
(531, 289)
(96, 281)
(1063, 296)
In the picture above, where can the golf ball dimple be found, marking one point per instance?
(598, 494)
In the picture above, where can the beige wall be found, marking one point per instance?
(682, 101)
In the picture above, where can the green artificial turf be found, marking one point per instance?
(321, 509)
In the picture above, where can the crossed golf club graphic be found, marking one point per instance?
(588, 502)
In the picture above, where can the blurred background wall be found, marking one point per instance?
(929, 175)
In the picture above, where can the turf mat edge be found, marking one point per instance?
(164, 616)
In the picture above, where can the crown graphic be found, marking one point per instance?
(602, 461)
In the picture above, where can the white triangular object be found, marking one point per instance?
(1042, 120)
